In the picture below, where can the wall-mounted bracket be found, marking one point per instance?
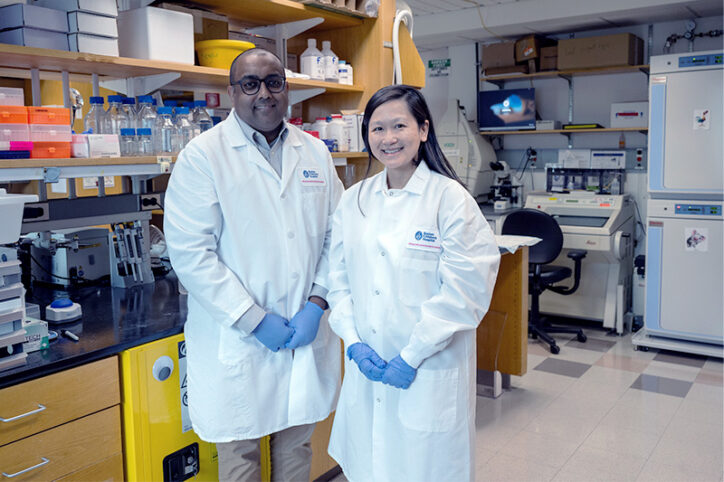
(142, 85)
(297, 96)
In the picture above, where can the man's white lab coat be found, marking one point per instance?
(237, 234)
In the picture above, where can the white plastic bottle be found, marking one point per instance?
(320, 125)
(312, 61)
(337, 130)
(93, 120)
(350, 75)
(342, 72)
(331, 62)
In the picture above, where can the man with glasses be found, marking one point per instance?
(247, 223)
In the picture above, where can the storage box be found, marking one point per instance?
(549, 58)
(101, 7)
(603, 51)
(11, 321)
(13, 114)
(9, 273)
(89, 23)
(608, 159)
(103, 145)
(156, 34)
(50, 150)
(14, 132)
(93, 44)
(12, 96)
(528, 47)
(20, 15)
(353, 121)
(36, 335)
(547, 125)
(50, 133)
(48, 115)
(33, 37)
(15, 146)
(501, 54)
(575, 158)
(630, 114)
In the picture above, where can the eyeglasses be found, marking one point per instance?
(250, 84)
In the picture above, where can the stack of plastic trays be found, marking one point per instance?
(12, 313)
(14, 129)
(50, 131)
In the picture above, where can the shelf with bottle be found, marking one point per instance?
(190, 76)
(566, 132)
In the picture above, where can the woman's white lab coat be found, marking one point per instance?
(237, 234)
(414, 276)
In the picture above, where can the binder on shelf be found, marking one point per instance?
(573, 127)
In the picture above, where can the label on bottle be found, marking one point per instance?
(313, 67)
(331, 67)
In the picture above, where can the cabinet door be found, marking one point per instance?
(65, 449)
(110, 469)
(58, 398)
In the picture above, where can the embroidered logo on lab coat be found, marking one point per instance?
(310, 176)
(425, 240)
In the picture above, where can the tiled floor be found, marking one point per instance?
(600, 411)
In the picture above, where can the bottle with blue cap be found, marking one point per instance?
(167, 134)
(93, 120)
(128, 106)
(201, 117)
(115, 119)
(128, 142)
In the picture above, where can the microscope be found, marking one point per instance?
(506, 190)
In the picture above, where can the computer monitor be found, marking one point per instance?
(506, 109)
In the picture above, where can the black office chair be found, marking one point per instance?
(541, 275)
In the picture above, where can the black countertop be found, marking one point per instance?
(114, 319)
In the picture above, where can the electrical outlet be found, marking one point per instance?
(148, 202)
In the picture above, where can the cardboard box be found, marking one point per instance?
(101, 7)
(20, 15)
(630, 114)
(512, 69)
(156, 34)
(35, 37)
(36, 335)
(527, 48)
(603, 51)
(88, 23)
(549, 58)
(608, 159)
(93, 44)
(501, 54)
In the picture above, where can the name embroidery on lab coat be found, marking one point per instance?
(425, 241)
(310, 176)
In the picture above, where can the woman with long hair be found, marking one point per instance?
(412, 269)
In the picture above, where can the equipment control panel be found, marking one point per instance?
(701, 209)
(699, 60)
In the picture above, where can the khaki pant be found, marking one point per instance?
(291, 457)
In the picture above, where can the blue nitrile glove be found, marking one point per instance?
(273, 331)
(398, 373)
(368, 361)
(305, 325)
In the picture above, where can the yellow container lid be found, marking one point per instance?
(220, 53)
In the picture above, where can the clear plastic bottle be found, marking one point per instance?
(615, 186)
(167, 138)
(320, 125)
(93, 120)
(201, 117)
(147, 117)
(129, 108)
(330, 61)
(145, 141)
(128, 142)
(185, 127)
(336, 130)
(115, 119)
(312, 64)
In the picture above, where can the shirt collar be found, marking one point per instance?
(256, 137)
(415, 185)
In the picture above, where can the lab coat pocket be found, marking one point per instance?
(232, 349)
(418, 279)
(314, 213)
(430, 404)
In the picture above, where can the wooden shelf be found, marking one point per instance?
(18, 57)
(572, 72)
(642, 130)
(79, 162)
(350, 155)
(270, 12)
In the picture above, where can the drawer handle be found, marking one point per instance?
(17, 417)
(44, 461)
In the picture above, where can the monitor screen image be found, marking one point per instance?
(506, 109)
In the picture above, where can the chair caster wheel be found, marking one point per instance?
(582, 337)
(555, 349)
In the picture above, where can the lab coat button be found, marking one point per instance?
(374, 331)
(377, 292)
(283, 196)
(379, 401)
(295, 275)
(382, 253)
(290, 235)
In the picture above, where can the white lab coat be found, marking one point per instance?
(237, 234)
(414, 276)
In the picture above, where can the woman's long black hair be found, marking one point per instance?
(429, 150)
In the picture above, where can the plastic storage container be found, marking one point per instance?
(220, 53)
(51, 150)
(9, 273)
(156, 34)
(14, 132)
(11, 212)
(320, 125)
(12, 96)
(49, 115)
(50, 133)
(13, 114)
